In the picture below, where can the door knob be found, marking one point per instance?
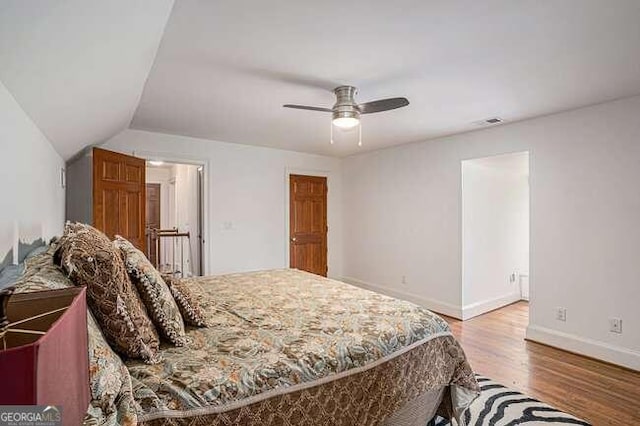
(293, 239)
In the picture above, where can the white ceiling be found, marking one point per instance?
(224, 68)
(78, 67)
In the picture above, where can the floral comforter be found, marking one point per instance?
(280, 331)
(282, 347)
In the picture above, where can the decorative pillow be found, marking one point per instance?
(109, 379)
(154, 293)
(90, 259)
(188, 304)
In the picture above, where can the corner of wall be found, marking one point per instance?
(431, 304)
(482, 307)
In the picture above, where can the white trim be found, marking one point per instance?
(484, 306)
(170, 157)
(281, 390)
(208, 174)
(584, 346)
(431, 304)
(522, 292)
(288, 171)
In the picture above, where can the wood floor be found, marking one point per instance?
(599, 393)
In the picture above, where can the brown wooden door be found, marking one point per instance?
(152, 222)
(308, 223)
(119, 195)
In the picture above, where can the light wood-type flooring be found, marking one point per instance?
(600, 393)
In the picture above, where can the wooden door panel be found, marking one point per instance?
(110, 171)
(130, 212)
(119, 195)
(153, 206)
(133, 173)
(309, 216)
(318, 188)
(310, 257)
(308, 223)
(108, 199)
(301, 217)
(317, 213)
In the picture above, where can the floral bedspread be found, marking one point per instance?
(276, 331)
(272, 337)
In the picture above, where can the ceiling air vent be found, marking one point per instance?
(488, 121)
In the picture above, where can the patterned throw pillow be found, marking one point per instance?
(186, 301)
(90, 259)
(154, 292)
(109, 378)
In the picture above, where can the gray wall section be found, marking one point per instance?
(79, 200)
(7, 260)
(24, 248)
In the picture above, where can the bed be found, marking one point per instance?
(282, 347)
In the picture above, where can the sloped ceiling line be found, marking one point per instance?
(84, 70)
(78, 67)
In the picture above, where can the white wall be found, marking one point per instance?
(402, 216)
(246, 191)
(32, 196)
(495, 232)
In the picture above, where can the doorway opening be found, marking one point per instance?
(175, 217)
(495, 232)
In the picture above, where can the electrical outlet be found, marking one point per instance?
(561, 313)
(615, 325)
(404, 279)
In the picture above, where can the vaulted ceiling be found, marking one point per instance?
(78, 67)
(223, 69)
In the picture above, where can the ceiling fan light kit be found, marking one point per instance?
(345, 121)
(346, 111)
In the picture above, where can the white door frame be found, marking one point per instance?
(207, 168)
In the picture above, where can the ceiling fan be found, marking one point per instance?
(346, 111)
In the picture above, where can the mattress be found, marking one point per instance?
(285, 347)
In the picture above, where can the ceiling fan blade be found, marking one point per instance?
(383, 105)
(310, 108)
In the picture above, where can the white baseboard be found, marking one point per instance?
(479, 308)
(433, 305)
(584, 346)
